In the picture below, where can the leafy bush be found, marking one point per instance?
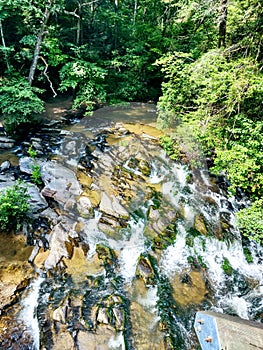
(87, 79)
(250, 221)
(19, 102)
(36, 174)
(170, 146)
(219, 100)
(14, 207)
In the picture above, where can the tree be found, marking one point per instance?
(40, 35)
(222, 24)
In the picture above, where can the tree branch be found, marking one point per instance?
(46, 75)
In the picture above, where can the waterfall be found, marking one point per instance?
(162, 246)
(28, 313)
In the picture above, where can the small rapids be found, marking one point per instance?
(140, 244)
(28, 314)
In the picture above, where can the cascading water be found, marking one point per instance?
(28, 315)
(145, 244)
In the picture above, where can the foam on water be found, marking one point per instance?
(174, 258)
(28, 313)
(149, 301)
(117, 342)
(130, 249)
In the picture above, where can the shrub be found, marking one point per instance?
(14, 207)
(250, 221)
(19, 103)
(87, 79)
(36, 175)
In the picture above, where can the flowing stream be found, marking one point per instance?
(149, 242)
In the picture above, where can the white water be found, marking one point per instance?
(28, 313)
(131, 249)
(130, 246)
(212, 251)
(117, 342)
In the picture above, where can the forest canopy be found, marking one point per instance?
(200, 61)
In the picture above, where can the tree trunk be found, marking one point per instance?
(40, 37)
(135, 11)
(222, 24)
(4, 45)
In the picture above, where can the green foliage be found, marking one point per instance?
(250, 221)
(88, 81)
(248, 255)
(14, 207)
(220, 100)
(36, 175)
(227, 268)
(170, 146)
(32, 152)
(19, 102)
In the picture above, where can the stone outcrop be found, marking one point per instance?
(60, 182)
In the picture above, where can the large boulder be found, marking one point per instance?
(111, 206)
(60, 243)
(60, 182)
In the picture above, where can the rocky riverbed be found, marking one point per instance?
(126, 244)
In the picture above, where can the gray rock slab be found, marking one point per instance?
(60, 182)
(37, 201)
(5, 165)
(111, 206)
(26, 165)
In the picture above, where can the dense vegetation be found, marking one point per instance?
(201, 59)
(14, 207)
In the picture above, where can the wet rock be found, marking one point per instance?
(144, 167)
(7, 178)
(84, 207)
(60, 182)
(200, 225)
(105, 253)
(60, 314)
(94, 341)
(6, 142)
(119, 318)
(7, 295)
(109, 224)
(5, 165)
(37, 201)
(102, 316)
(26, 165)
(63, 340)
(59, 239)
(111, 206)
(50, 215)
(145, 270)
(13, 334)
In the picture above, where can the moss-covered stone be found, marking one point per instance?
(105, 253)
(145, 270)
(200, 224)
(227, 268)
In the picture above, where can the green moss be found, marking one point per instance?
(248, 255)
(227, 268)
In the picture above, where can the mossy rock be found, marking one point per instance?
(200, 224)
(144, 167)
(105, 253)
(227, 268)
(145, 270)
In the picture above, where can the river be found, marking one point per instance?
(137, 243)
